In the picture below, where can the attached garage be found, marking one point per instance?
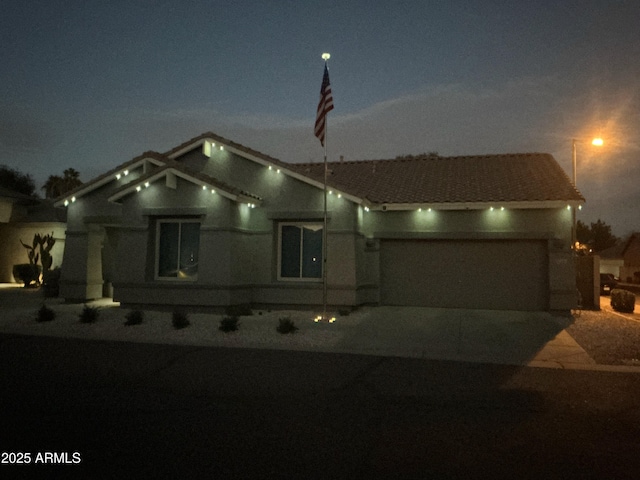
(483, 274)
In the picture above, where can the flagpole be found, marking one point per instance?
(325, 57)
(325, 105)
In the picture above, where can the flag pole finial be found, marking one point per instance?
(326, 56)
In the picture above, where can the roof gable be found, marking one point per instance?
(209, 141)
(173, 169)
(112, 175)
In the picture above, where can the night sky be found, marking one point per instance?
(92, 84)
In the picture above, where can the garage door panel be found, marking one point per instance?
(465, 274)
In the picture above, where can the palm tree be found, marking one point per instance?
(56, 186)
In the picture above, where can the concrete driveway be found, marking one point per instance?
(486, 336)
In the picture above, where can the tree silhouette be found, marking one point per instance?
(597, 235)
(56, 186)
(12, 179)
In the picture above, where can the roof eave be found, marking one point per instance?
(140, 183)
(515, 205)
(110, 176)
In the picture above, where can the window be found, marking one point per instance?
(178, 244)
(300, 251)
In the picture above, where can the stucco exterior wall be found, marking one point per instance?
(238, 244)
(552, 225)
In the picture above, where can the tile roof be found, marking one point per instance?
(422, 179)
(531, 177)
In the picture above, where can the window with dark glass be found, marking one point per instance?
(178, 248)
(300, 255)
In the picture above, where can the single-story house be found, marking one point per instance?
(21, 218)
(213, 223)
(630, 269)
(611, 260)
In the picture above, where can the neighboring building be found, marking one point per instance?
(611, 260)
(21, 217)
(213, 223)
(630, 271)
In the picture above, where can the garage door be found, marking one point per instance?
(497, 275)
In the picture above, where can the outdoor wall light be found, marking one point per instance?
(118, 176)
(66, 203)
(502, 209)
(213, 191)
(138, 188)
(146, 185)
(126, 172)
(73, 199)
(204, 187)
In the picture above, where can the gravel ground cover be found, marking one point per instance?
(610, 338)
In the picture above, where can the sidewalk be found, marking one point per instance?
(536, 339)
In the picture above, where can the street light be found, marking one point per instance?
(598, 142)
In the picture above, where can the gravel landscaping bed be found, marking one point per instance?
(607, 337)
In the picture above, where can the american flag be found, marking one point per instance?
(324, 106)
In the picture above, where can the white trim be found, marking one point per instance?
(168, 172)
(522, 205)
(108, 178)
(265, 163)
(279, 256)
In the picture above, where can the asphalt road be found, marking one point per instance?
(123, 410)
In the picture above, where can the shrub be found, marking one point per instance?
(243, 310)
(89, 314)
(180, 320)
(286, 325)
(622, 300)
(45, 314)
(229, 324)
(134, 317)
